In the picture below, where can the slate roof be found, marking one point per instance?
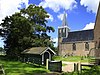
(36, 50)
(83, 35)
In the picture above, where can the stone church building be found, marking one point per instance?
(79, 43)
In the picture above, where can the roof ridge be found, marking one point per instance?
(81, 30)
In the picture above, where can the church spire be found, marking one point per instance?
(63, 29)
(64, 22)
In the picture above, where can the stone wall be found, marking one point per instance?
(66, 48)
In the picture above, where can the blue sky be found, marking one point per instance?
(80, 14)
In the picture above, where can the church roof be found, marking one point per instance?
(83, 35)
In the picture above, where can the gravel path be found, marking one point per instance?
(69, 67)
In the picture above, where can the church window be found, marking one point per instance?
(96, 44)
(99, 45)
(74, 46)
(86, 46)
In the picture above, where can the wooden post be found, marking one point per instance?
(47, 64)
(75, 66)
(79, 66)
(60, 66)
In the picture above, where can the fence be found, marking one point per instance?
(55, 66)
(80, 67)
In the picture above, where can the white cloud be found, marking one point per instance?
(89, 26)
(10, 7)
(91, 5)
(56, 5)
(56, 41)
(1, 42)
(50, 17)
(60, 16)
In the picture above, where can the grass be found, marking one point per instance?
(18, 68)
(71, 59)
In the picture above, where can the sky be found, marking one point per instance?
(80, 14)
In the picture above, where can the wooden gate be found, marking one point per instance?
(55, 66)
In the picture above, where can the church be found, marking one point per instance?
(79, 43)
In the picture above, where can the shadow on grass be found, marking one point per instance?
(36, 72)
(19, 68)
(17, 64)
(24, 72)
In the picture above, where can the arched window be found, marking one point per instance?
(74, 46)
(86, 46)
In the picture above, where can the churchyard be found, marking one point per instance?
(12, 67)
(29, 50)
(68, 65)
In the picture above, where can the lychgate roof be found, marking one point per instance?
(84, 35)
(37, 50)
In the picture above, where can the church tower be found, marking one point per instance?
(97, 25)
(97, 33)
(62, 33)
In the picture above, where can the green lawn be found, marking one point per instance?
(71, 58)
(18, 68)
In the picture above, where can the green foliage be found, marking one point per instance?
(71, 73)
(95, 70)
(26, 29)
(1, 49)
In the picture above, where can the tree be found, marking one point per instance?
(26, 29)
(1, 49)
